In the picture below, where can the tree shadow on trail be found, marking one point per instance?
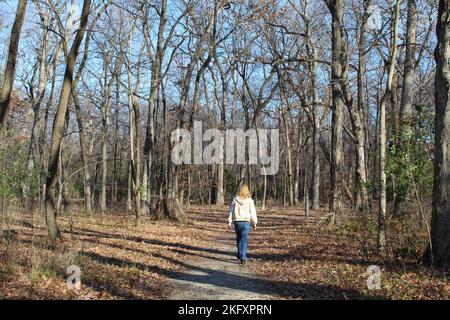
(304, 253)
(219, 278)
(142, 240)
(226, 280)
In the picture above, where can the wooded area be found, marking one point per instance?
(92, 91)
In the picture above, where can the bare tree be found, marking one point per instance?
(381, 234)
(357, 113)
(10, 69)
(37, 99)
(407, 98)
(337, 79)
(58, 125)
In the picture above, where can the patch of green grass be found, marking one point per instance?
(41, 271)
(8, 270)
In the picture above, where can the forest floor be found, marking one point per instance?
(290, 258)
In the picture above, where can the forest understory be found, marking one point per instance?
(295, 257)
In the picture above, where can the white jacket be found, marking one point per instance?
(243, 210)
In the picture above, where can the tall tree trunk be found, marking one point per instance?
(131, 135)
(381, 236)
(131, 124)
(137, 166)
(297, 164)
(58, 125)
(10, 69)
(338, 60)
(104, 160)
(105, 133)
(306, 177)
(290, 180)
(407, 98)
(440, 230)
(410, 67)
(115, 173)
(223, 124)
(315, 178)
(33, 151)
(357, 116)
(43, 134)
(84, 154)
(147, 175)
(316, 121)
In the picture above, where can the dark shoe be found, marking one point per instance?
(243, 262)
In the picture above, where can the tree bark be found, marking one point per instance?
(223, 120)
(440, 229)
(154, 92)
(406, 106)
(137, 166)
(338, 49)
(58, 125)
(357, 118)
(106, 92)
(410, 67)
(10, 69)
(33, 151)
(115, 172)
(315, 178)
(84, 154)
(381, 234)
(290, 178)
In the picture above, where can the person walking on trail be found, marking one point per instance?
(242, 215)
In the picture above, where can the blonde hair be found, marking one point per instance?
(244, 193)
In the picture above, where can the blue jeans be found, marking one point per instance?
(242, 230)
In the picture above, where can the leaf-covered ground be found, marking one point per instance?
(317, 262)
(118, 260)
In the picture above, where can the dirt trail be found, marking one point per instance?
(218, 275)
